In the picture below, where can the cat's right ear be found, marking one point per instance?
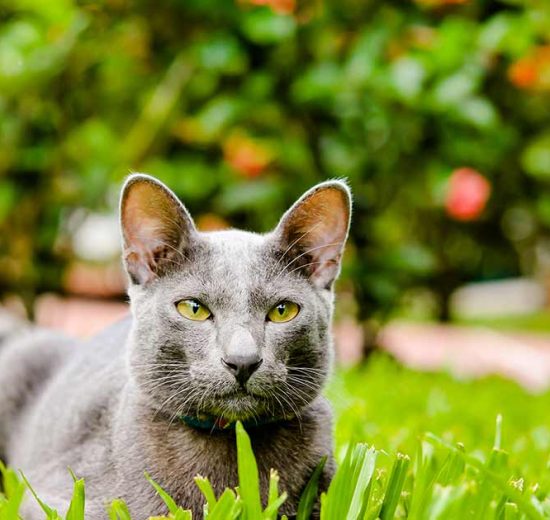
(156, 228)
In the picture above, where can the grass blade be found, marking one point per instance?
(425, 477)
(51, 514)
(249, 483)
(309, 495)
(274, 501)
(175, 510)
(78, 500)
(118, 510)
(14, 491)
(511, 511)
(368, 463)
(206, 489)
(9, 508)
(273, 493)
(346, 494)
(333, 503)
(498, 482)
(395, 486)
(183, 514)
(227, 507)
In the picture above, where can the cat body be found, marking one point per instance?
(209, 336)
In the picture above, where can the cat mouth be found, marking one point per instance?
(241, 398)
(239, 392)
(239, 404)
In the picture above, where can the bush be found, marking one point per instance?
(240, 107)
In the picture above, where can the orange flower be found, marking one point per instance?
(211, 222)
(467, 194)
(533, 70)
(279, 6)
(523, 73)
(246, 155)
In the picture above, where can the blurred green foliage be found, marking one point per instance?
(240, 107)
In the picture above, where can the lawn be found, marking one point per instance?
(410, 445)
(391, 407)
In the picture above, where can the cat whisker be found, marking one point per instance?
(305, 369)
(181, 409)
(157, 383)
(309, 385)
(182, 388)
(152, 367)
(314, 376)
(157, 363)
(278, 401)
(305, 376)
(287, 398)
(302, 393)
(158, 374)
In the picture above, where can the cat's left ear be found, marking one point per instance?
(312, 233)
(156, 228)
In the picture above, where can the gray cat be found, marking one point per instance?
(225, 325)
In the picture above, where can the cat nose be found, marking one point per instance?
(242, 366)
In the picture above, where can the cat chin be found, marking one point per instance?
(241, 407)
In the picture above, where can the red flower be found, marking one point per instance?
(467, 194)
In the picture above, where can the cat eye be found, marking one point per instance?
(193, 310)
(283, 312)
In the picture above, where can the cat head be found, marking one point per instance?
(231, 324)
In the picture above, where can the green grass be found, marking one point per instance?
(392, 407)
(410, 445)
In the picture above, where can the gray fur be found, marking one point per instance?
(109, 408)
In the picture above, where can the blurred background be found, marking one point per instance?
(436, 111)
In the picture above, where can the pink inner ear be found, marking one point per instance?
(141, 240)
(143, 230)
(153, 227)
(139, 266)
(321, 220)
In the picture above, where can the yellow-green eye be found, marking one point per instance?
(283, 312)
(193, 310)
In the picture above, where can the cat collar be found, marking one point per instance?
(206, 422)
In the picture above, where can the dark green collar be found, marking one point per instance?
(206, 422)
